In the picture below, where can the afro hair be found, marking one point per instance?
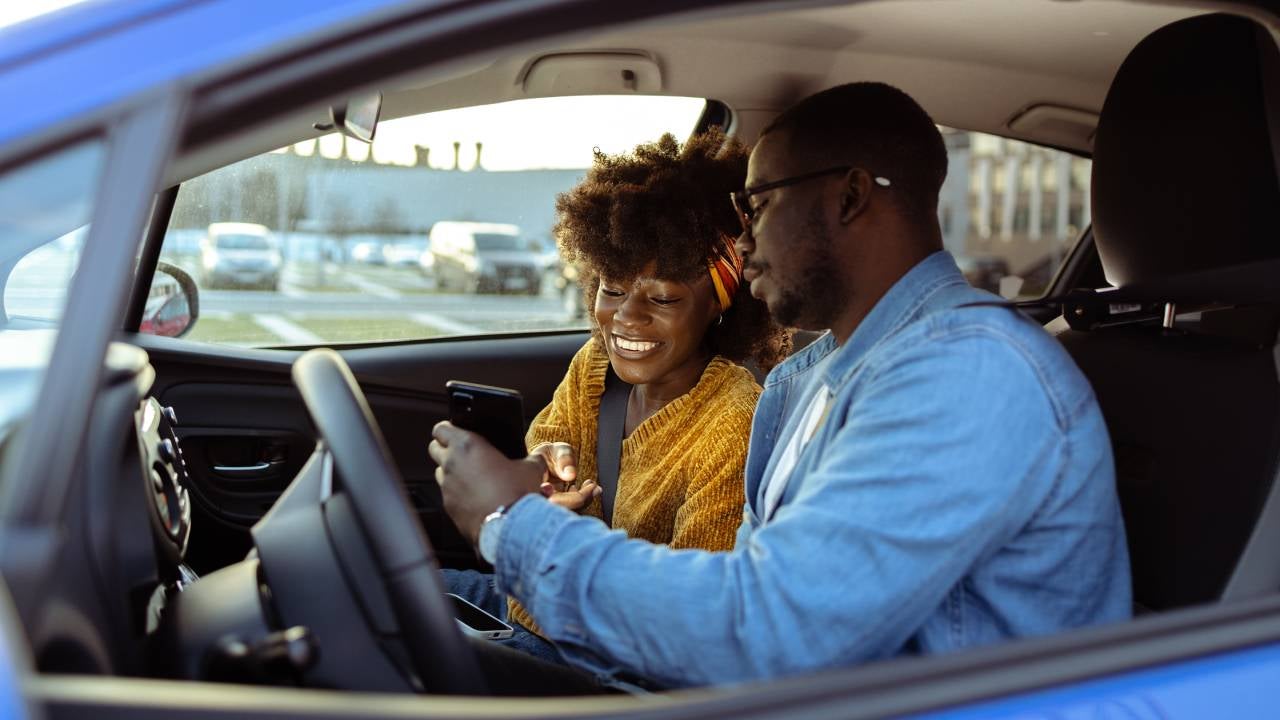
(667, 204)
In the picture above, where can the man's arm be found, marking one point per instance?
(937, 464)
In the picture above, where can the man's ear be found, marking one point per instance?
(855, 192)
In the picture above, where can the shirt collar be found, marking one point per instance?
(900, 305)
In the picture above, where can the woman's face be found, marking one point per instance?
(653, 329)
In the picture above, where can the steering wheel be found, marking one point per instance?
(444, 661)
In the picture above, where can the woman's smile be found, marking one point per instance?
(634, 348)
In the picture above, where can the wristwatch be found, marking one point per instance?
(490, 534)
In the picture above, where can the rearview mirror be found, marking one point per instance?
(358, 118)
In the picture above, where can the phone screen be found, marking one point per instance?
(475, 618)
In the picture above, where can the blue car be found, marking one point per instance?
(201, 515)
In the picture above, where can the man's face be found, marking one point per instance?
(789, 259)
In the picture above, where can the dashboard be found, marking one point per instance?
(167, 477)
(126, 519)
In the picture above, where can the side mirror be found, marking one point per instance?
(173, 304)
(358, 118)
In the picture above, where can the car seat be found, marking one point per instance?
(1182, 355)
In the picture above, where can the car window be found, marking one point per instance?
(490, 241)
(242, 242)
(44, 215)
(1011, 211)
(441, 227)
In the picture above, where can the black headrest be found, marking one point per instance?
(1185, 174)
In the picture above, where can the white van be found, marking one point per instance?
(480, 257)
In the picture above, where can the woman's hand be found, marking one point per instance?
(561, 462)
(562, 471)
(574, 498)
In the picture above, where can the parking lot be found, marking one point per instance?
(316, 303)
(354, 303)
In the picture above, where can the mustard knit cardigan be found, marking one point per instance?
(680, 478)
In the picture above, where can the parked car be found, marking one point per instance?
(427, 263)
(183, 535)
(560, 281)
(404, 252)
(239, 254)
(369, 252)
(984, 272)
(478, 257)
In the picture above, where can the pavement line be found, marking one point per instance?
(287, 331)
(439, 322)
(371, 287)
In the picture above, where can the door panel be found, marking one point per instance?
(245, 433)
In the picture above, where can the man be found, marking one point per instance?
(931, 475)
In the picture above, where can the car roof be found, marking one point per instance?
(1036, 71)
(478, 227)
(959, 58)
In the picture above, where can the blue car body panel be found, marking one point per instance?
(44, 34)
(93, 56)
(1240, 685)
(12, 704)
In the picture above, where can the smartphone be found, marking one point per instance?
(474, 621)
(493, 412)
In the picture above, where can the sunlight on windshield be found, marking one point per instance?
(12, 13)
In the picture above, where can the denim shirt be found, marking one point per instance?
(960, 492)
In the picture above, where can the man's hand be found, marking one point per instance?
(475, 479)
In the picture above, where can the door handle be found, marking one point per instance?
(246, 472)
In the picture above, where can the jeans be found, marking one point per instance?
(478, 589)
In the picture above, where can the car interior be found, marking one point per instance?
(286, 504)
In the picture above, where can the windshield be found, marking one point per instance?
(348, 224)
(45, 206)
(495, 241)
(243, 242)
(44, 214)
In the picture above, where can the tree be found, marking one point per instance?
(388, 218)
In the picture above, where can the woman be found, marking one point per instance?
(651, 233)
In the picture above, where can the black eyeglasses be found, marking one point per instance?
(742, 198)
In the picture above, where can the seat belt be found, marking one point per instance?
(609, 429)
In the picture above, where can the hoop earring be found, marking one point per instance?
(720, 320)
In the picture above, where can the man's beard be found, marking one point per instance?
(812, 302)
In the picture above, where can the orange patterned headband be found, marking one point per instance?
(726, 271)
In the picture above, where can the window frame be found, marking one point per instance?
(39, 466)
